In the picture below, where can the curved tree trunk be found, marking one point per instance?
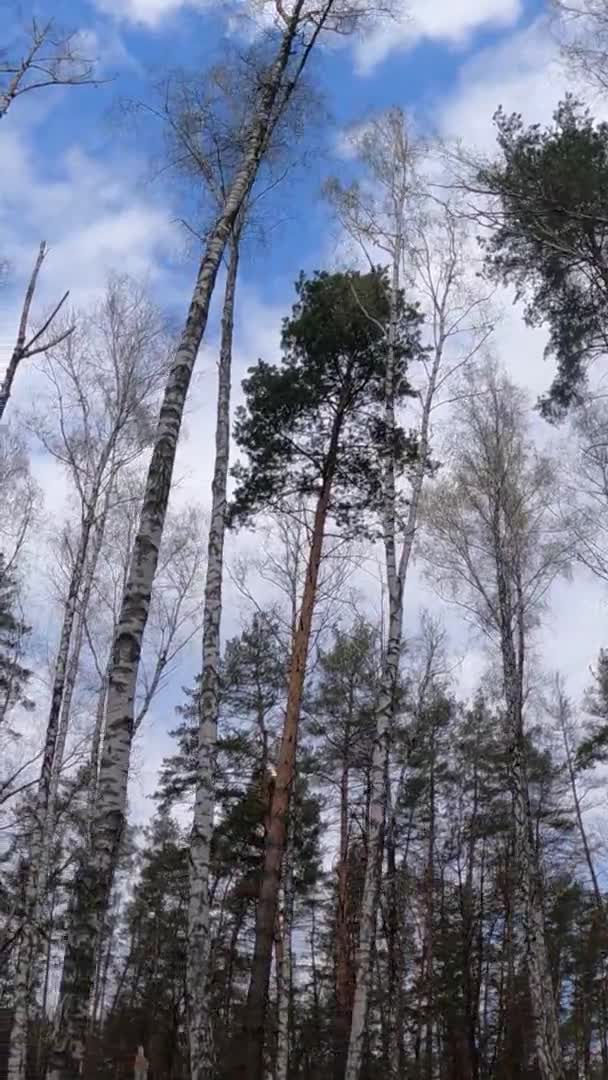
(95, 875)
(199, 1021)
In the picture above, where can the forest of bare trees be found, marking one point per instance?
(372, 844)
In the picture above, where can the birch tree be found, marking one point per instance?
(20, 498)
(583, 32)
(175, 608)
(560, 709)
(32, 342)
(42, 55)
(495, 547)
(102, 381)
(427, 252)
(201, 1053)
(299, 28)
(584, 483)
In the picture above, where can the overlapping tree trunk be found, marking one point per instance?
(252, 1059)
(529, 876)
(396, 579)
(42, 837)
(199, 1021)
(283, 963)
(95, 875)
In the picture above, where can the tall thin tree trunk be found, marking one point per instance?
(19, 351)
(78, 632)
(95, 875)
(283, 965)
(96, 746)
(283, 958)
(252, 1058)
(529, 874)
(599, 902)
(35, 883)
(396, 575)
(344, 972)
(430, 920)
(199, 1021)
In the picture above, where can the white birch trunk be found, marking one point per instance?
(199, 1021)
(283, 963)
(94, 879)
(528, 870)
(96, 746)
(542, 997)
(396, 579)
(42, 835)
(70, 684)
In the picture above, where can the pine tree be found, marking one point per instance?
(314, 427)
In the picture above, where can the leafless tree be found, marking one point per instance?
(94, 418)
(32, 342)
(584, 483)
(494, 545)
(583, 32)
(19, 497)
(391, 216)
(44, 55)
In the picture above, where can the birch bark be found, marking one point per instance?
(495, 542)
(437, 274)
(199, 1021)
(95, 876)
(283, 958)
(27, 347)
(42, 833)
(542, 997)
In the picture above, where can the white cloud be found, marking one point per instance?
(149, 13)
(450, 21)
(523, 73)
(91, 213)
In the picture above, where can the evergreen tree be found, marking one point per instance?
(315, 427)
(548, 219)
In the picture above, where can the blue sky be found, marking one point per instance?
(70, 173)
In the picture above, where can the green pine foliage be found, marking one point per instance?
(549, 235)
(332, 372)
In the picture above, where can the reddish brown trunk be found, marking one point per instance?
(251, 1065)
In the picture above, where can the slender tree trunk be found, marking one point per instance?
(20, 345)
(42, 833)
(78, 631)
(599, 903)
(396, 578)
(344, 971)
(96, 746)
(283, 965)
(543, 1004)
(94, 879)
(252, 1059)
(430, 922)
(283, 959)
(472, 981)
(199, 1021)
